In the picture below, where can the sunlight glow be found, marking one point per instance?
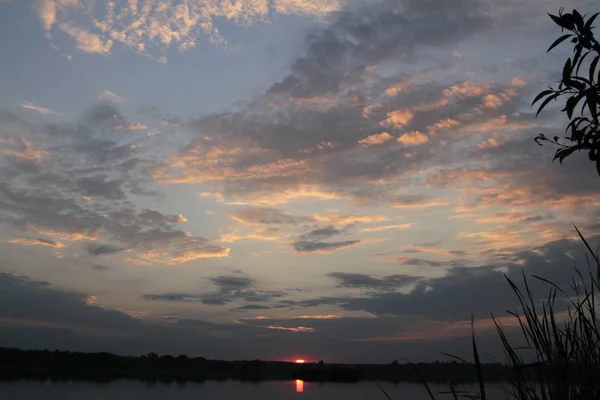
(300, 361)
(299, 386)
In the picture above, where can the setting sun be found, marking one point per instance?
(300, 361)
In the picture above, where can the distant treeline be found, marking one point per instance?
(18, 364)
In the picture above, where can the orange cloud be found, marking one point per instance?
(27, 151)
(413, 138)
(467, 89)
(42, 110)
(337, 219)
(172, 257)
(37, 242)
(442, 125)
(63, 235)
(265, 233)
(375, 139)
(276, 196)
(131, 127)
(296, 330)
(201, 165)
(398, 119)
(320, 317)
(492, 101)
(388, 227)
(489, 143)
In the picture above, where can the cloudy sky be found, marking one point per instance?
(345, 180)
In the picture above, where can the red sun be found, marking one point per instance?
(300, 361)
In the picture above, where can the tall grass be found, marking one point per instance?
(561, 356)
(562, 352)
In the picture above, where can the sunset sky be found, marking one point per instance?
(339, 180)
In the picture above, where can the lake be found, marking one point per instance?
(274, 390)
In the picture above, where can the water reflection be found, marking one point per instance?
(299, 386)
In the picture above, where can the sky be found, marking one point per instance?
(337, 180)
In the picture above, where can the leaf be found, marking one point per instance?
(561, 154)
(477, 361)
(545, 103)
(387, 396)
(567, 21)
(592, 104)
(555, 19)
(593, 67)
(571, 104)
(559, 41)
(590, 21)
(542, 94)
(566, 74)
(587, 53)
(578, 19)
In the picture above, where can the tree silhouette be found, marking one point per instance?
(581, 88)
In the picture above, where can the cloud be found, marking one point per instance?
(266, 216)
(375, 139)
(131, 127)
(348, 219)
(413, 138)
(293, 329)
(149, 27)
(46, 10)
(304, 247)
(463, 289)
(379, 32)
(251, 307)
(321, 233)
(37, 242)
(100, 249)
(362, 281)
(42, 110)
(109, 96)
(87, 41)
(84, 193)
(228, 289)
(388, 227)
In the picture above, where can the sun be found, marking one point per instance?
(300, 361)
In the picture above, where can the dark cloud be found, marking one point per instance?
(376, 33)
(74, 181)
(100, 249)
(321, 233)
(228, 289)
(464, 290)
(422, 262)
(304, 246)
(98, 267)
(176, 297)
(266, 216)
(252, 307)
(363, 281)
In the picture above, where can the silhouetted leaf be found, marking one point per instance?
(555, 19)
(578, 19)
(566, 74)
(567, 21)
(590, 21)
(571, 104)
(593, 67)
(559, 41)
(545, 103)
(541, 94)
(592, 100)
(561, 154)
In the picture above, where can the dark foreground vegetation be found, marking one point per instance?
(18, 364)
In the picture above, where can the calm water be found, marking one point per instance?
(298, 390)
